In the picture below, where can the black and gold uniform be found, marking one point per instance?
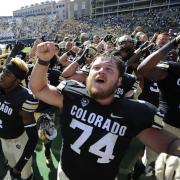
(18, 132)
(96, 137)
(20, 99)
(150, 92)
(18, 140)
(128, 84)
(170, 93)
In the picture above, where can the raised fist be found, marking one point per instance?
(17, 48)
(46, 51)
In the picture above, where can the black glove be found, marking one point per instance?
(145, 44)
(108, 37)
(148, 48)
(14, 174)
(17, 48)
(82, 58)
(71, 53)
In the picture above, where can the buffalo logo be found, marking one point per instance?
(18, 146)
(84, 102)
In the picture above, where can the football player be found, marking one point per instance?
(18, 132)
(97, 127)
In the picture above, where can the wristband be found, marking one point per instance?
(43, 63)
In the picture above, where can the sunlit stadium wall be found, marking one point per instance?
(78, 8)
(43, 8)
(116, 7)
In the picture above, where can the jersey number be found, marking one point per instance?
(107, 142)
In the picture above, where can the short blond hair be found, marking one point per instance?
(20, 64)
(18, 67)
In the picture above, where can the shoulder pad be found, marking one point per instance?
(61, 86)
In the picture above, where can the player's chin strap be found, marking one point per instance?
(167, 167)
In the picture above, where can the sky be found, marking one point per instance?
(8, 6)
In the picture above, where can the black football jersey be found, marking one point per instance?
(150, 92)
(96, 137)
(20, 99)
(127, 84)
(170, 93)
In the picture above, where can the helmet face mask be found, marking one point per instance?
(125, 40)
(92, 52)
(46, 129)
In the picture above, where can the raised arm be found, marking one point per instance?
(72, 70)
(152, 60)
(64, 60)
(16, 49)
(168, 145)
(38, 81)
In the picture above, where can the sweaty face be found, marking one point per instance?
(103, 78)
(7, 79)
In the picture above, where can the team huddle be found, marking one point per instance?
(109, 91)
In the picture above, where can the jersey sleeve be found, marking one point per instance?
(68, 87)
(30, 104)
(142, 115)
(149, 116)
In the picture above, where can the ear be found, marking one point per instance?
(119, 81)
(18, 81)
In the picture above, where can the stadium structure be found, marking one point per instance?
(65, 9)
(116, 7)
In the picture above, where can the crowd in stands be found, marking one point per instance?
(153, 20)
